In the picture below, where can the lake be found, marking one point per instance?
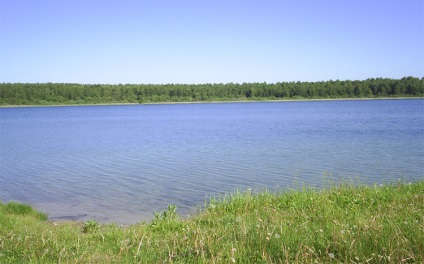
(122, 163)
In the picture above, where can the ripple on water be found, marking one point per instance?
(122, 163)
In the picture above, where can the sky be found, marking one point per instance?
(209, 41)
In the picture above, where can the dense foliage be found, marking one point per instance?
(69, 93)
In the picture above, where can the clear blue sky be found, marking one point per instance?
(209, 41)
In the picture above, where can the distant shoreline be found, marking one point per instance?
(218, 102)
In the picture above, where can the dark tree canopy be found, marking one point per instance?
(72, 93)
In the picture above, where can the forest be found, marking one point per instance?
(73, 93)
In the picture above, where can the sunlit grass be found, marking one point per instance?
(339, 224)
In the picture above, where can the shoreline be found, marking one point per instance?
(219, 102)
(338, 224)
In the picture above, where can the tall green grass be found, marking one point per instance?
(341, 224)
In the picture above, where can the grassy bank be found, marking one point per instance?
(338, 224)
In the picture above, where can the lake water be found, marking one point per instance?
(122, 163)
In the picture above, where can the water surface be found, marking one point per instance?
(122, 163)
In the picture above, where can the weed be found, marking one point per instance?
(90, 226)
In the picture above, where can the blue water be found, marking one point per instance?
(122, 163)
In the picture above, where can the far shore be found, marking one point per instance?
(218, 102)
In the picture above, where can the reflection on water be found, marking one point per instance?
(122, 163)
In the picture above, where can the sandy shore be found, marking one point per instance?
(219, 102)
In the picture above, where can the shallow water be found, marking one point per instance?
(122, 163)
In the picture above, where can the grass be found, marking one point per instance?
(340, 224)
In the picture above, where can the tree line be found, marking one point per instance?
(72, 93)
